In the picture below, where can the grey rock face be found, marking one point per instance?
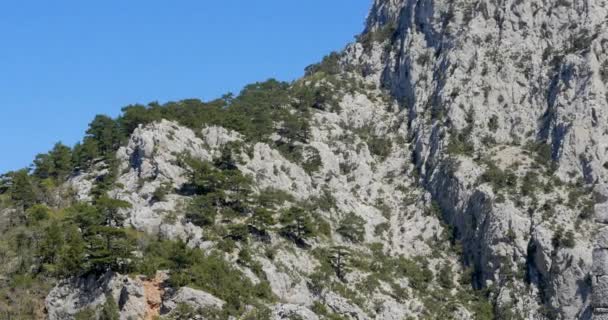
(517, 83)
(74, 295)
(599, 271)
(291, 311)
(534, 71)
(192, 297)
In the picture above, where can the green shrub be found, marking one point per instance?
(312, 161)
(563, 239)
(321, 310)
(543, 153)
(498, 178)
(38, 213)
(420, 275)
(211, 273)
(329, 65)
(381, 228)
(530, 184)
(326, 201)
(459, 144)
(352, 228)
(297, 225)
(109, 310)
(85, 314)
(161, 192)
(446, 277)
(382, 34)
(381, 147)
(201, 211)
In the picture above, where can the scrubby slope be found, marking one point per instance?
(446, 165)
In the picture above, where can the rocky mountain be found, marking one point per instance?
(451, 163)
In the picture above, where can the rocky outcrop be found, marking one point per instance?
(75, 295)
(471, 140)
(599, 272)
(501, 73)
(291, 311)
(195, 298)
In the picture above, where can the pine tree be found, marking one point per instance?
(62, 160)
(226, 160)
(339, 256)
(71, 257)
(110, 210)
(109, 248)
(56, 164)
(261, 218)
(37, 213)
(85, 153)
(106, 132)
(43, 166)
(22, 189)
(201, 211)
(135, 115)
(110, 310)
(297, 224)
(352, 227)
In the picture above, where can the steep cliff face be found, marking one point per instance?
(501, 77)
(538, 66)
(454, 168)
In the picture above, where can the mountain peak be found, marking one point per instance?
(449, 164)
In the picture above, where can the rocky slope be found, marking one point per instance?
(456, 169)
(503, 75)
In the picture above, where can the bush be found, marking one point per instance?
(381, 147)
(543, 153)
(446, 277)
(419, 275)
(109, 310)
(563, 240)
(312, 161)
(352, 228)
(85, 314)
(38, 213)
(459, 144)
(381, 228)
(209, 272)
(530, 184)
(498, 178)
(161, 192)
(329, 65)
(383, 34)
(201, 211)
(297, 225)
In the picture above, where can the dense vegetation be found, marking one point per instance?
(47, 235)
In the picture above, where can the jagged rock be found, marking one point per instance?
(194, 298)
(521, 80)
(74, 295)
(600, 262)
(291, 311)
(601, 213)
(343, 307)
(600, 288)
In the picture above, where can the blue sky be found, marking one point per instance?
(62, 62)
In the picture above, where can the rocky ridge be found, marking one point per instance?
(474, 140)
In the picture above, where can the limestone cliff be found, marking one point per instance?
(459, 159)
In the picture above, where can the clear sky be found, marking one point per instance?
(63, 61)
